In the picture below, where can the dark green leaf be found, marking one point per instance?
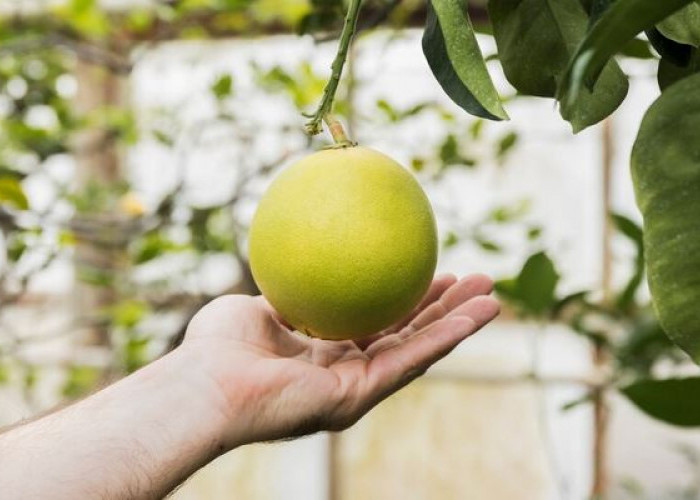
(677, 53)
(674, 401)
(684, 25)
(666, 175)
(597, 8)
(615, 28)
(453, 54)
(669, 73)
(637, 49)
(536, 39)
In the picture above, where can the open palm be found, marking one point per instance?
(286, 384)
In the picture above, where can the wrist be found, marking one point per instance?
(199, 377)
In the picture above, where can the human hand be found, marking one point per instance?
(275, 383)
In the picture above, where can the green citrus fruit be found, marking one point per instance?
(343, 243)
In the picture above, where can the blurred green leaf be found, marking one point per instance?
(533, 290)
(4, 373)
(537, 283)
(488, 245)
(223, 87)
(129, 313)
(136, 353)
(80, 380)
(674, 401)
(451, 239)
(11, 193)
(476, 128)
(450, 154)
(634, 233)
(644, 345)
(506, 144)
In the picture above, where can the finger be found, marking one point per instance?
(464, 290)
(395, 367)
(458, 294)
(439, 285)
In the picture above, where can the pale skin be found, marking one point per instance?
(241, 376)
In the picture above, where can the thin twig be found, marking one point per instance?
(314, 126)
(373, 22)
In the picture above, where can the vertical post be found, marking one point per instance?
(333, 467)
(99, 162)
(601, 357)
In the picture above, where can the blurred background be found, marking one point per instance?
(135, 140)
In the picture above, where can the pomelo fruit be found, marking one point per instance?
(343, 243)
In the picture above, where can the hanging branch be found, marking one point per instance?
(314, 126)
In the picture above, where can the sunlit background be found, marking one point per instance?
(130, 170)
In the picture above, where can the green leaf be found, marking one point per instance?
(644, 345)
(4, 373)
(637, 49)
(223, 87)
(450, 240)
(536, 39)
(80, 380)
(615, 28)
(633, 232)
(136, 353)
(450, 154)
(129, 313)
(677, 53)
(488, 245)
(506, 144)
(684, 25)
(11, 193)
(669, 72)
(629, 228)
(533, 290)
(453, 54)
(537, 283)
(674, 401)
(666, 175)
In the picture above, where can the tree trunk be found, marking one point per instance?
(100, 254)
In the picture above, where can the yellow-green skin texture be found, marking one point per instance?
(666, 175)
(344, 244)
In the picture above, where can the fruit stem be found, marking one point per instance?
(337, 131)
(314, 127)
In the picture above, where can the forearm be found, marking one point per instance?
(139, 438)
